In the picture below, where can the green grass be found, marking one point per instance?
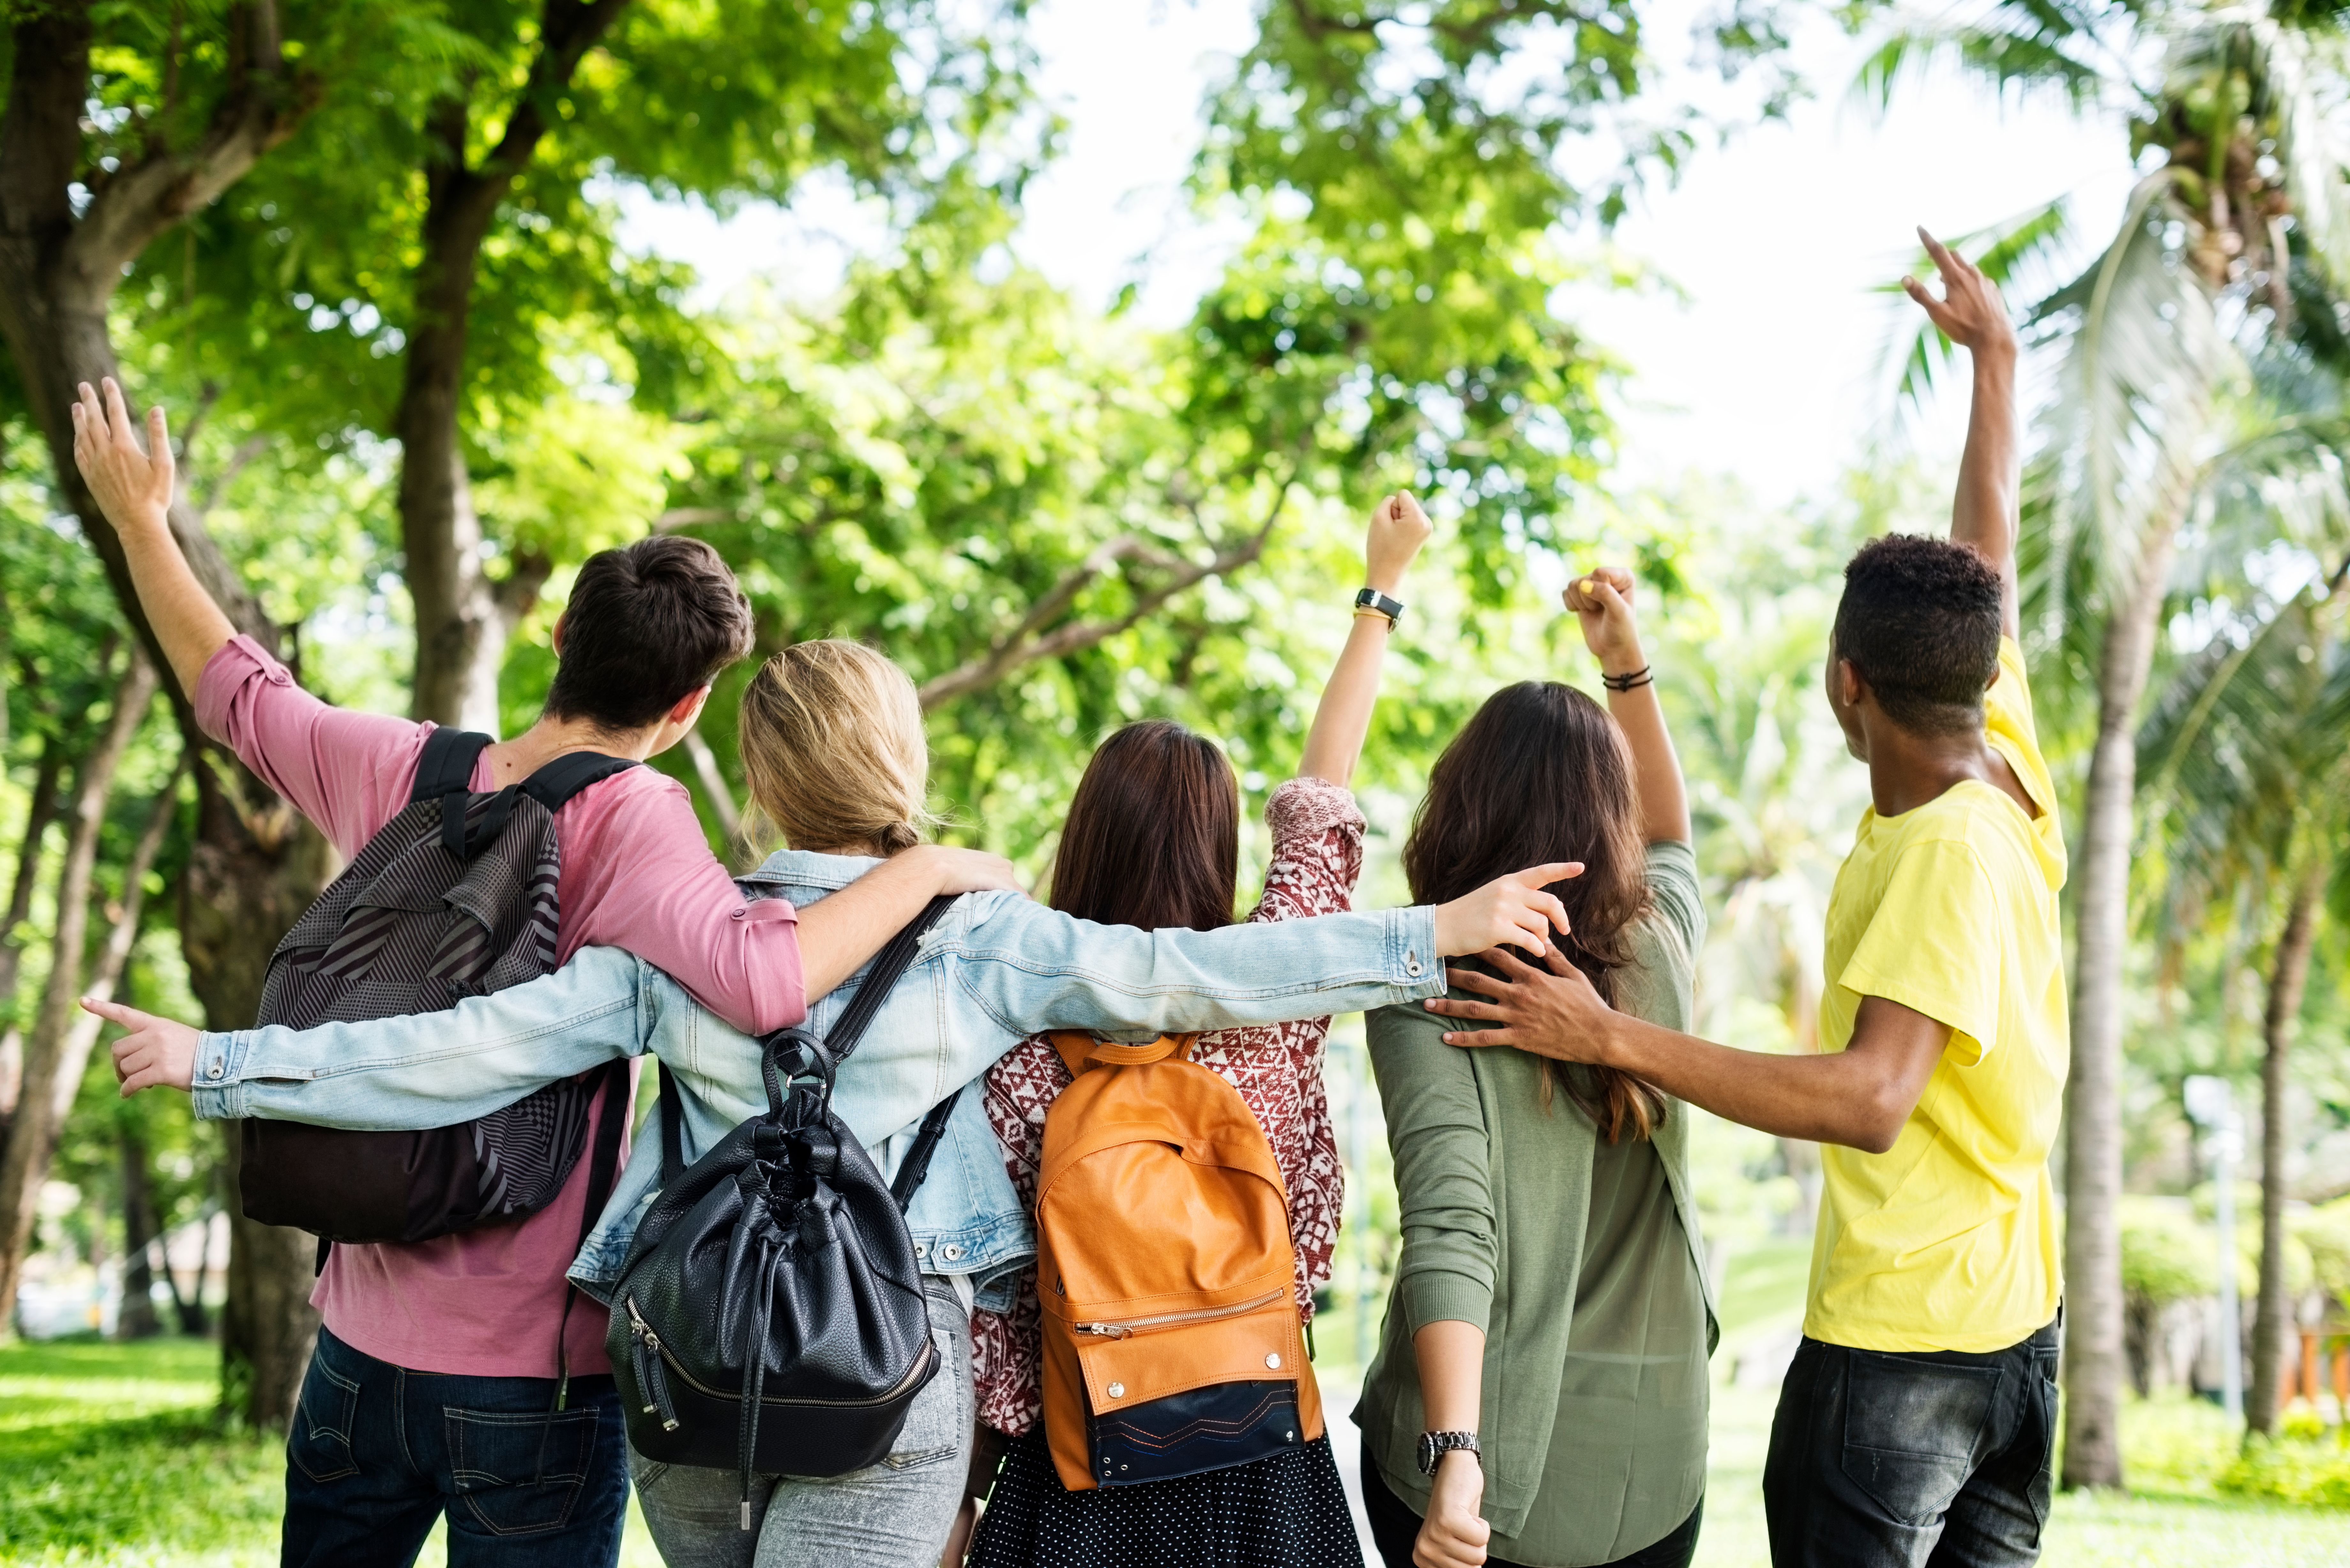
(112, 1455)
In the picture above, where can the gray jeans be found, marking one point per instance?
(895, 1514)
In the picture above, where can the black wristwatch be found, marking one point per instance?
(1372, 599)
(1434, 1446)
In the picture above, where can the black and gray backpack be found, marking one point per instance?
(454, 898)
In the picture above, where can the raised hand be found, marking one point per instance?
(131, 485)
(1398, 528)
(1513, 909)
(157, 1053)
(1970, 312)
(1602, 602)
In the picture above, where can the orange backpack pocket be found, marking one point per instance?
(1172, 1343)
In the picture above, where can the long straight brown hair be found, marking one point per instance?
(1542, 774)
(1153, 834)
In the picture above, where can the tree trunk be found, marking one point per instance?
(50, 1080)
(2271, 1320)
(463, 619)
(2096, 1359)
(38, 814)
(136, 1319)
(254, 866)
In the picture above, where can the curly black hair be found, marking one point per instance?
(1920, 622)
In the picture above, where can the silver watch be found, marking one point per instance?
(1434, 1446)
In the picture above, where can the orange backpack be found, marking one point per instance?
(1165, 1267)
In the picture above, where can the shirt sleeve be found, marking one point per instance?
(1674, 892)
(639, 875)
(1317, 851)
(1933, 945)
(2014, 729)
(347, 772)
(432, 1069)
(1443, 1169)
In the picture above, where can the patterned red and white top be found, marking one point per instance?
(1318, 856)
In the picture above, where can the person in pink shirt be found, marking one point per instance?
(438, 1358)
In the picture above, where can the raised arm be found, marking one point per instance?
(1602, 603)
(1398, 528)
(1986, 510)
(133, 487)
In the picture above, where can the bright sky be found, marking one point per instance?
(1760, 362)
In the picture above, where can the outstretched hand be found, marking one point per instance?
(1514, 910)
(1970, 312)
(1551, 1011)
(1601, 601)
(131, 485)
(156, 1051)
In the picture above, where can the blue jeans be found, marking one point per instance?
(1933, 1459)
(378, 1452)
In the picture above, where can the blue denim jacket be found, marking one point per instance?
(995, 970)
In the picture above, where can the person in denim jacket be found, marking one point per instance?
(835, 755)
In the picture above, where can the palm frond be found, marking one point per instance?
(2122, 444)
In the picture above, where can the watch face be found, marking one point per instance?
(1427, 1453)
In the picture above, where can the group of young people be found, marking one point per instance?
(1539, 1396)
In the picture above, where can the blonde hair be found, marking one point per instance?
(832, 744)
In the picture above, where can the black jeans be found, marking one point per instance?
(378, 1452)
(1882, 1461)
(1394, 1529)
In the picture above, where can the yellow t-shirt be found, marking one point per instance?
(1949, 1240)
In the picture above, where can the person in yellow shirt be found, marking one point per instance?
(1918, 1422)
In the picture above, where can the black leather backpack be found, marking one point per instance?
(454, 898)
(770, 1316)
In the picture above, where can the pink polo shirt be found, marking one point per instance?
(637, 874)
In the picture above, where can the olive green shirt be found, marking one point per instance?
(1580, 1259)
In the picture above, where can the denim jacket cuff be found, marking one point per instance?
(1411, 952)
(216, 1090)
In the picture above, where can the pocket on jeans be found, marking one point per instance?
(520, 1472)
(320, 1443)
(1913, 1430)
(938, 1422)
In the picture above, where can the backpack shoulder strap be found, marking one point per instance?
(917, 1163)
(447, 764)
(445, 773)
(889, 965)
(672, 1127)
(553, 785)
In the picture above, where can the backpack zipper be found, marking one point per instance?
(647, 1338)
(1126, 1328)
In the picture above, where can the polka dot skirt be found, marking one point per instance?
(1286, 1511)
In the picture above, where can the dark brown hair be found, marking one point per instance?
(1542, 774)
(646, 624)
(1153, 835)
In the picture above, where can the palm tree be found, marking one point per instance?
(2236, 237)
(2247, 751)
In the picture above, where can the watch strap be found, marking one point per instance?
(1372, 599)
(1434, 1446)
